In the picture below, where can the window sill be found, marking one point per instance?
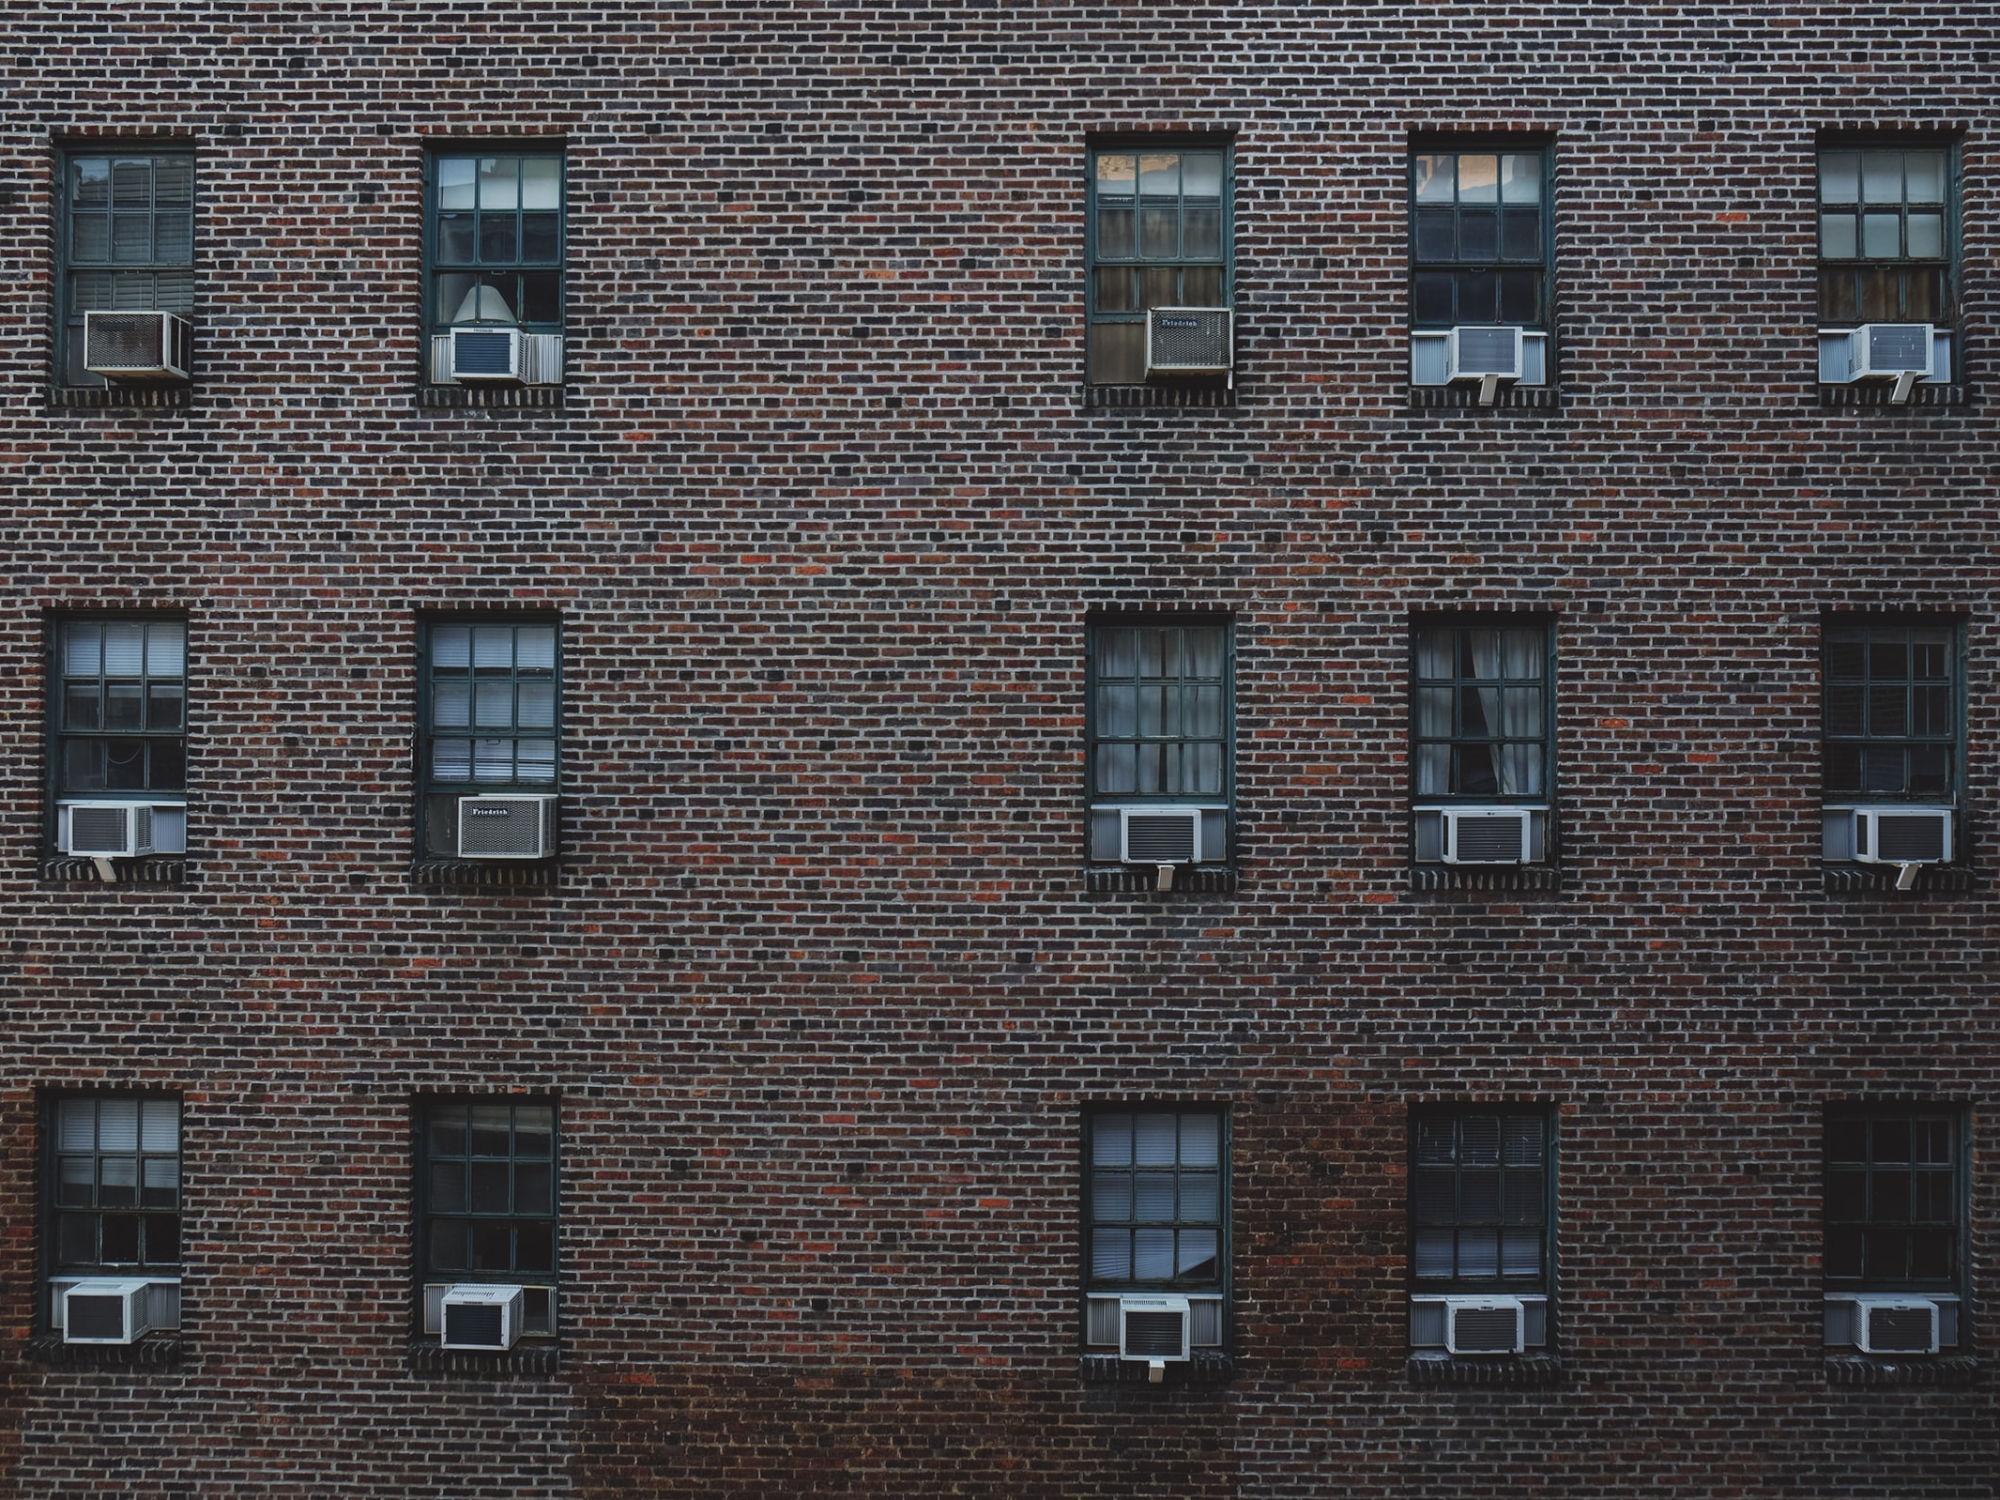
(511, 873)
(1544, 878)
(1507, 1370)
(1871, 880)
(120, 397)
(158, 869)
(1466, 395)
(155, 1350)
(1207, 1369)
(1877, 393)
(460, 396)
(1201, 880)
(539, 1357)
(1936, 1369)
(1210, 393)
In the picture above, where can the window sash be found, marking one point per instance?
(94, 280)
(1883, 256)
(90, 693)
(1156, 1217)
(481, 244)
(1482, 1219)
(1866, 760)
(1894, 1218)
(1498, 718)
(1475, 259)
(1123, 277)
(457, 1240)
(112, 1197)
(488, 709)
(1147, 737)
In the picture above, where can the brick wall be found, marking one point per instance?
(820, 986)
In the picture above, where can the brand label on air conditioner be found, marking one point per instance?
(1180, 322)
(490, 812)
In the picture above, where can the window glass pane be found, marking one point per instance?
(131, 238)
(124, 649)
(492, 1245)
(76, 1239)
(1153, 1195)
(1478, 296)
(1153, 1254)
(83, 706)
(1923, 176)
(1436, 1196)
(1479, 1197)
(76, 1125)
(1520, 1252)
(118, 1239)
(1522, 1137)
(1522, 236)
(1437, 234)
(76, 1181)
(1521, 297)
(1839, 177)
(499, 182)
(124, 707)
(487, 1183)
(448, 1245)
(535, 1248)
(1116, 174)
(451, 760)
(160, 1182)
(160, 1125)
(535, 761)
(166, 653)
(163, 706)
(455, 181)
(534, 1129)
(1878, 294)
(1435, 178)
(490, 1133)
(1478, 179)
(494, 704)
(541, 240)
(447, 1127)
(447, 1187)
(1838, 236)
(1159, 239)
(1154, 1140)
(82, 650)
(1111, 1140)
(1201, 1198)
(451, 704)
(1201, 1140)
(1881, 237)
(541, 182)
(541, 297)
(535, 646)
(1881, 177)
(90, 240)
(118, 1125)
(1159, 286)
(1521, 178)
(1201, 236)
(1434, 1253)
(1197, 1253)
(499, 239)
(90, 181)
(162, 1239)
(1926, 236)
(1479, 1252)
(1478, 234)
(537, 705)
(1111, 1254)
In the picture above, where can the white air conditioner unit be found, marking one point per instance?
(1188, 341)
(1902, 835)
(137, 345)
(1487, 835)
(1160, 836)
(1888, 351)
(105, 830)
(486, 355)
(1895, 1325)
(1154, 1329)
(106, 1312)
(481, 1317)
(506, 827)
(1480, 353)
(1483, 1325)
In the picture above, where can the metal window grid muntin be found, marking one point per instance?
(1457, 147)
(437, 318)
(1950, 262)
(423, 1276)
(430, 787)
(1225, 264)
(53, 1268)
(1459, 684)
(1955, 1162)
(1864, 631)
(57, 736)
(1095, 740)
(69, 318)
(1543, 1283)
(1217, 1287)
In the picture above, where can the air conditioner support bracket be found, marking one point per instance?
(1900, 396)
(1165, 881)
(106, 871)
(1489, 388)
(1906, 877)
(1156, 1371)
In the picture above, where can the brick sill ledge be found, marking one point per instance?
(1868, 880)
(176, 397)
(167, 869)
(525, 874)
(466, 397)
(1947, 1369)
(543, 1357)
(1543, 878)
(1206, 1370)
(1199, 880)
(1510, 1370)
(155, 1350)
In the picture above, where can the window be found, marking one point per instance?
(1887, 241)
(1156, 1214)
(1482, 1228)
(127, 242)
(1895, 1216)
(1479, 252)
(1482, 742)
(496, 255)
(113, 1206)
(119, 721)
(490, 711)
(1893, 739)
(486, 1202)
(1159, 236)
(1161, 720)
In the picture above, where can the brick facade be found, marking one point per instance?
(822, 983)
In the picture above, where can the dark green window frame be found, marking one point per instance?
(495, 236)
(111, 1206)
(1888, 250)
(1895, 1201)
(1482, 1199)
(1143, 1202)
(1456, 753)
(533, 750)
(1482, 244)
(1892, 711)
(488, 1199)
(125, 239)
(1160, 249)
(118, 730)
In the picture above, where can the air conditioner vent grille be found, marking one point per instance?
(94, 1317)
(1901, 1330)
(1155, 1335)
(506, 827)
(1190, 340)
(1486, 1330)
(1160, 838)
(475, 1325)
(1899, 346)
(1495, 351)
(485, 353)
(1909, 838)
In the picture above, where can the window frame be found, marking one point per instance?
(1220, 1287)
(423, 1214)
(1954, 1286)
(50, 1267)
(1095, 624)
(1180, 141)
(435, 324)
(426, 733)
(56, 734)
(1836, 806)
(1951, 262)
(1540, 146)
(69, 324)
(1421, 802)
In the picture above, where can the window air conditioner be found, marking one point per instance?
(1188, 341)
(491, 355)
(1164, 836)
(1896, 1325)
(1154, 1329)
(1481, 353)
(506, 827)
(1902, 835)
(1486, 835)
(136, 345)
(482, 1317)
(1483, 1325)
(106, 830)
(1887, 351)
(106, 1312)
